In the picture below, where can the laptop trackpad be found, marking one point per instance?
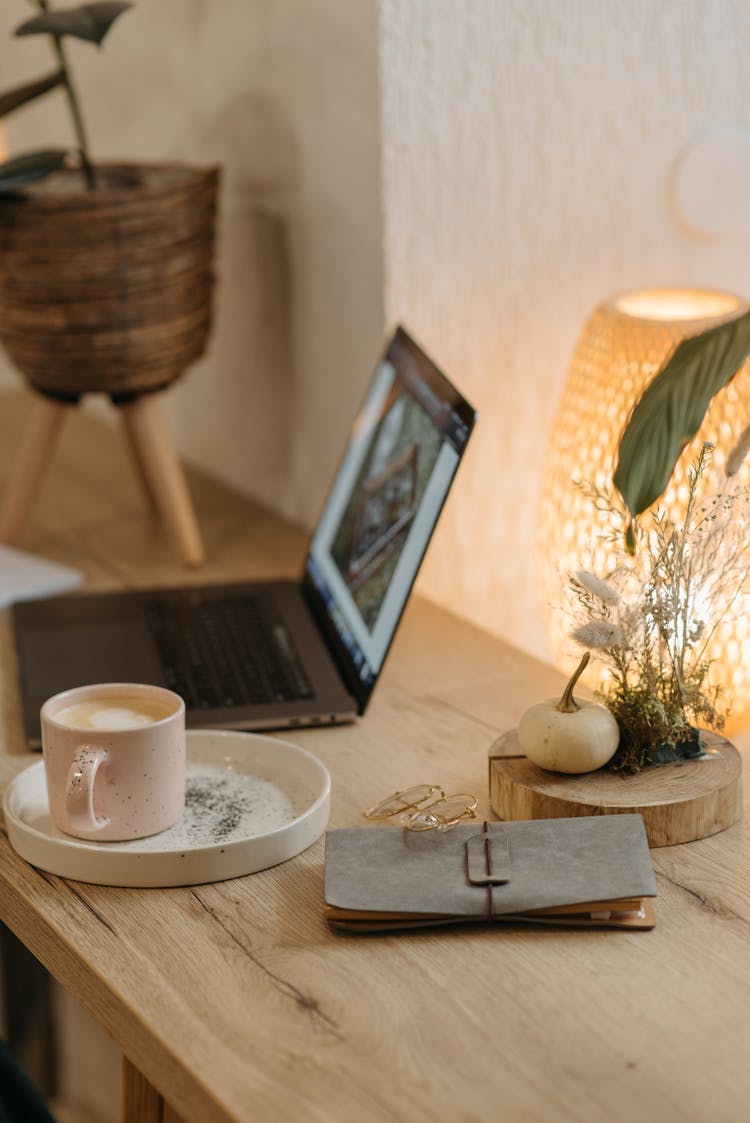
(56, 659)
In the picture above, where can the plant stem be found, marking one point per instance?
(568, 704)
(74, 106)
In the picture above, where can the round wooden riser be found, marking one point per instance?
(678, 802)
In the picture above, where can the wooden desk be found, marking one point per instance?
(236, 1003)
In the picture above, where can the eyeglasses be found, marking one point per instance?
(425, 807)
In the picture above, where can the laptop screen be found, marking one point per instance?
(402, 455)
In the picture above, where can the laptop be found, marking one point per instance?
(284, 653)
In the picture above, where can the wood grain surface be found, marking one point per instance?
(238, 1004)
(679, 802)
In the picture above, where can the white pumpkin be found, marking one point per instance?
(567, 735)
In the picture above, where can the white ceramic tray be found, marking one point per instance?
(252, 802)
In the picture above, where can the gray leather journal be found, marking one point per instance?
(592, 872)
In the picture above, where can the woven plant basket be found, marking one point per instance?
(108, 290)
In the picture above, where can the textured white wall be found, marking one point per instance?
(284, 97)
(527, 150)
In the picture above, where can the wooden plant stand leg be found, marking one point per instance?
(140, 467)
(148, 434)
(29, 465)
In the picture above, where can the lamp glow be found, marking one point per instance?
(622, 347)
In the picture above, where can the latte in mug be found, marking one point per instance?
(126, 712)
(114, 760)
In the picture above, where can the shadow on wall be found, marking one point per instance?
(253, 137)
(233, 413)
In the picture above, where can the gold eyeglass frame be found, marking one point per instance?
(425, 807)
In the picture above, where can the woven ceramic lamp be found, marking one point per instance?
(621, 348)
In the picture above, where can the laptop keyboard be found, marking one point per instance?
(226, 652)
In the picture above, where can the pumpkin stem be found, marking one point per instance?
(568, 704)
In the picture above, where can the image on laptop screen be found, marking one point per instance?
(404, 450)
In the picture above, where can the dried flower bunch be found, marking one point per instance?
(651, 619)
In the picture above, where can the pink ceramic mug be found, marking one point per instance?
(114, 760)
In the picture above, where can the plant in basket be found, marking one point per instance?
(106, 270)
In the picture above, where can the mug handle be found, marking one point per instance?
(79, 790)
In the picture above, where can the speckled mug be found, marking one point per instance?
(118, 783)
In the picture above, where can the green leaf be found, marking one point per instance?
(689, 747)
(30, 166)
(662, 754)
(671, 409)
(90, 21)
(13, 99)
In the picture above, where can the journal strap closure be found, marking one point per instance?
(488, 858)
